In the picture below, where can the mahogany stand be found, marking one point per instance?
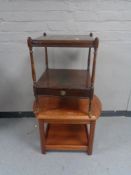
(64, 98)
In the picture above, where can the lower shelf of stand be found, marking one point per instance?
(67, 137)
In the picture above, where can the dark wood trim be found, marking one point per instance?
(69, 93)
(70, 43)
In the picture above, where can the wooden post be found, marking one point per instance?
(46, 57)
(94, 62)
(31, 59)
(46, 53)
(89, 56)
(42, 135)
(87, 135)
(96, 42)
(91, 136)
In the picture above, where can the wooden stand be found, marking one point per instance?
(64, 98)
(69, 127)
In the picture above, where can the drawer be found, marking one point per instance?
(64, 92)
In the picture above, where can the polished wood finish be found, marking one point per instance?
(65, 41)
(89, 56)
(91, 136)
(67, 110)
(32, 60)
(64, 79)
(71, 82)
(66, 137)
(46, 57)
(64, 99)
(69, 125)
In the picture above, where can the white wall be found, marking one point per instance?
(109, 20)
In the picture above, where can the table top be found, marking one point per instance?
(67, 110)
(64, 41)
(66, 37)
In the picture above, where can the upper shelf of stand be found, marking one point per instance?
(64, 41)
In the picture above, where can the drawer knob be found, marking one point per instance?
(63, 92)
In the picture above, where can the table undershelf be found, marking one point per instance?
(66, 137)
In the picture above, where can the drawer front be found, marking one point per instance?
(63, 92)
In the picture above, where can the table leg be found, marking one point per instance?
(42, 135)
(91, 136)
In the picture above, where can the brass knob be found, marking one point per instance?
(63, 92)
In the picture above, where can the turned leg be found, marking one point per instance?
(42, 135)
(87, 135)
(91, 136)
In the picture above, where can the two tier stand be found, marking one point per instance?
(65, 104)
